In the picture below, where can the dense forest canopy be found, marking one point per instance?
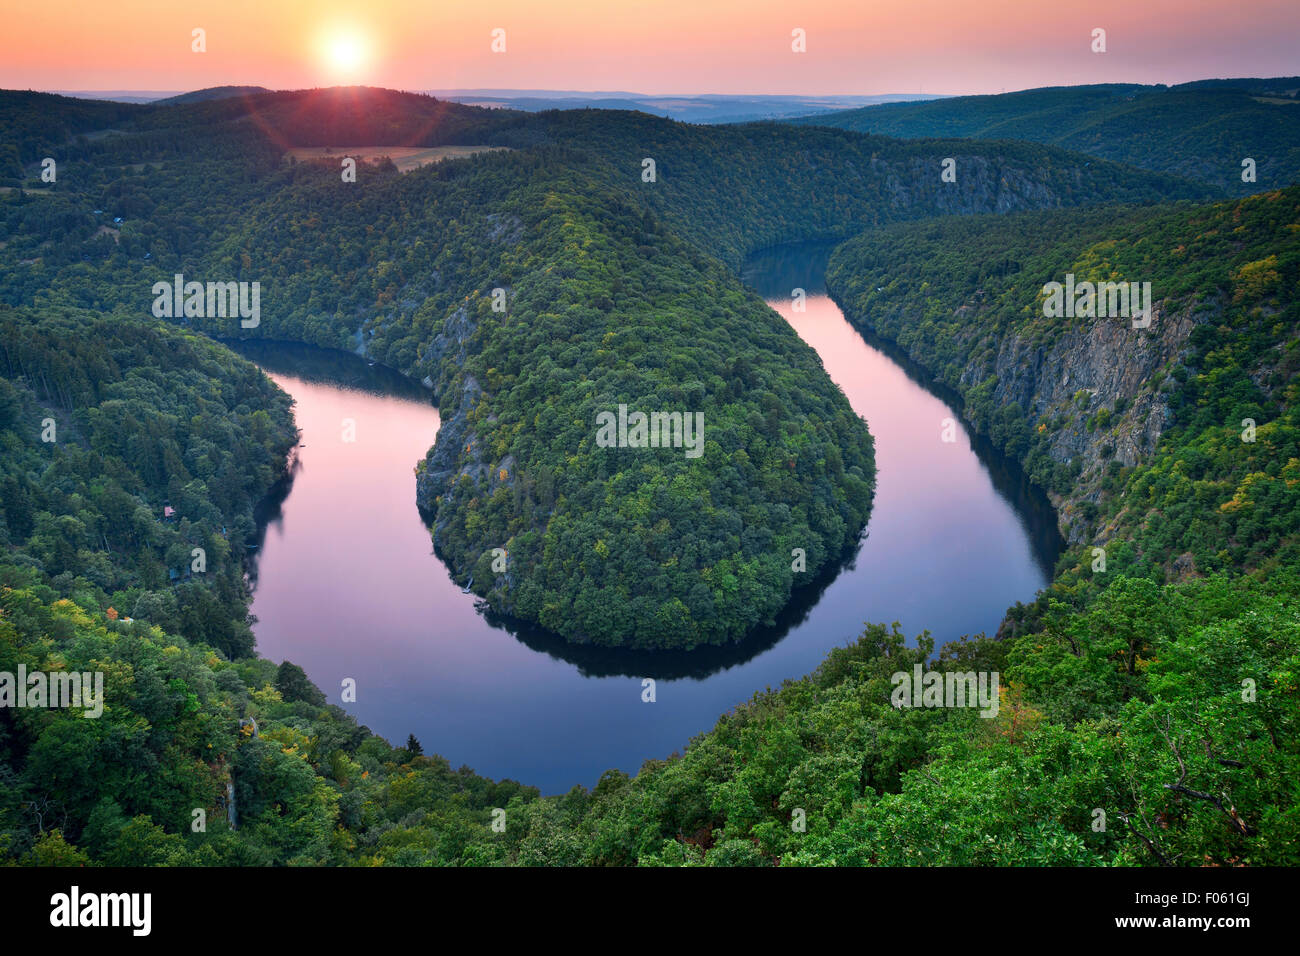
(1159, 691)
(128, 445)
(1203, 130)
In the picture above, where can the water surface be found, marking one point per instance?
(347, 585)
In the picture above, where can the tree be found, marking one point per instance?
(293, 684)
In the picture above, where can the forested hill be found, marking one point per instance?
(133, 456)
(335, 116)
(33, 125)
(1201, 130)
(734, 189)
(612, 294)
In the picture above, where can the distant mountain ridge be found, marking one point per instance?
(691, 108)
(703, 108)
(213, 93)
(117, 96)
(1202, 130)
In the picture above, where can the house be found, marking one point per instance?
(117, 220)
(169, 513)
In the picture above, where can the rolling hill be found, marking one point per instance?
(1199, 130)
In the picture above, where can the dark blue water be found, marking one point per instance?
(347, 585)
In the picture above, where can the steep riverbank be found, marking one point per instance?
(1075, 402)
(1067, 383)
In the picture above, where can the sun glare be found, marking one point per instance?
(345, 53)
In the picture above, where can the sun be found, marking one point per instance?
(345, 52)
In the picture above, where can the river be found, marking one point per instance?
(346, 584)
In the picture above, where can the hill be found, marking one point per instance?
(211, 93)
(134, 455)
(1173, 446)
(1200, 130)
(704, 108)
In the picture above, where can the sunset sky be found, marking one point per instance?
(645, 46)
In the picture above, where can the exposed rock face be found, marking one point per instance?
(1184, 567)
(457, 451)
(986, 185)
(1110, 361)
(505, 227)
(1091, 390)
(450, 341)
(1094, 384)
(440, 466)
(362, 338)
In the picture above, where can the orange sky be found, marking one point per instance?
(647, 46)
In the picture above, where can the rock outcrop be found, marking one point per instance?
(1095, 386)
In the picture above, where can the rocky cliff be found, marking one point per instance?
(1094, 393)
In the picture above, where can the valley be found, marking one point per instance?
(679, 658)
(513, 701)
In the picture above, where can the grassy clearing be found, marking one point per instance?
(405, 158)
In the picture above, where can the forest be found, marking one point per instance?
(1202, 130)
(1159, 692)
(129, 444)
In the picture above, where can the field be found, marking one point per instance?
(405, 158)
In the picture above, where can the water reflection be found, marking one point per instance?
(775, 273)
(699, 664)
(347, 585)
(330, 367)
